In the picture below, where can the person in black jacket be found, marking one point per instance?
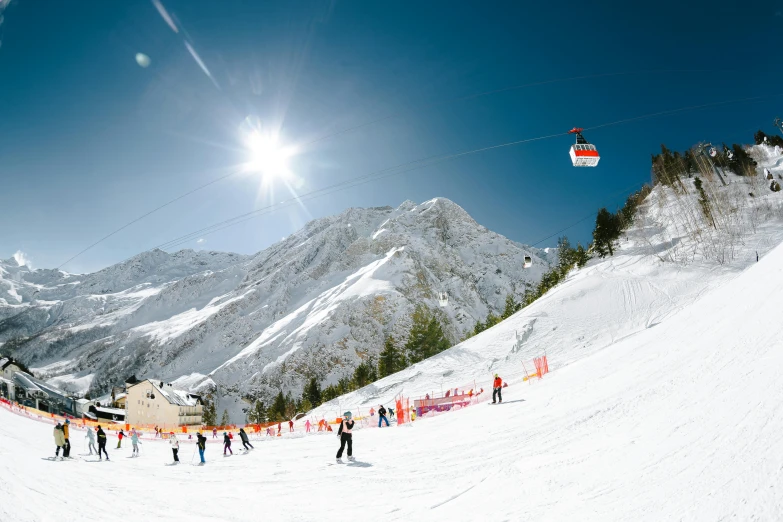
(226, 444)
(245, 441)
(344, 433)
(382, 416)
(102, 443)
(201, 441)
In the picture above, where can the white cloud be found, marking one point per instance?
(21, 258)
(201, 240)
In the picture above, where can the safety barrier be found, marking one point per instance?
(541, 366)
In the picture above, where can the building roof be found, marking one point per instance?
(6, 362)
(27, 382)
(110, 411)
(7, 381)
(171, 394)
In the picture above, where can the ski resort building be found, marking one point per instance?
(155, 403)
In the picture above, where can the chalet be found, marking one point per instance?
(155, 403)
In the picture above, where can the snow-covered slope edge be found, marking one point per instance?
(660, 266)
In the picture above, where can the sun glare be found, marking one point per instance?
(267, 156)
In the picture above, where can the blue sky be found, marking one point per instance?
(89, 140)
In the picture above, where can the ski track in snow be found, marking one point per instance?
(683, 421)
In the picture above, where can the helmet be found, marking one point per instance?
(67, 421)
(496, 375)
(347, 414)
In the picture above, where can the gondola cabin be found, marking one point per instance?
(528, 262)
(583, 154)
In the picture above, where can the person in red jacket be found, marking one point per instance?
(497, 386)
(290, 425)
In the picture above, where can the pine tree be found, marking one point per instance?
(760, 137)
(257, 415)
(742, 164)
(312, 392)
(704, 202)
(364, 374)
(209, 411)
(512, 306)
(426, 336)
(689, 162)
(224, 419)
(277, 412)
(607, 230)
(436, 339)
(582, 255)
(390, 360)
(415, 348)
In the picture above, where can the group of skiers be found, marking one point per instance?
(344, 433)
(62, 440)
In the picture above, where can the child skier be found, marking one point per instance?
(201, 441)
(101, 443)
(91, 441)
(307, 426)
(245, 441)
(497, 386)
(59, 440)
(382, 416)
(226, 444)
(290, 425)
(135, 441)
(344, 434)
(174, 446)
(120, 435)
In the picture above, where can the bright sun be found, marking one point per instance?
(267, 156)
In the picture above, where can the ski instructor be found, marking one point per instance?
(344, 433)
(497, 386)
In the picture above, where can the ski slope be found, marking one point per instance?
(679, 421)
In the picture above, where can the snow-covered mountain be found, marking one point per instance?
(314, 304)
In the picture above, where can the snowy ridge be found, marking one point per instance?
(316, 303)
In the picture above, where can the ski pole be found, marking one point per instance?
(193, 456)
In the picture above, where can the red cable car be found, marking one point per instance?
(583, 154)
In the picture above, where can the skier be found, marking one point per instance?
(214, 433)
(135, 441)
(279, 428)
(290, 425)
(202, 445)
(307, 426)
(413, 414)
(174, 446)
(91, 441)
(120, 435)
(269, 431)
(344, 434)
(497, 386)
(66, 434)
(382, 416)
(245, 440)
(226, 444)
(101, 443)
(59, 440)
(391, 412)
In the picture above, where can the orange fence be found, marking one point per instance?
(541, 366)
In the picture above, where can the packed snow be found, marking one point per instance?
(680, 421)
